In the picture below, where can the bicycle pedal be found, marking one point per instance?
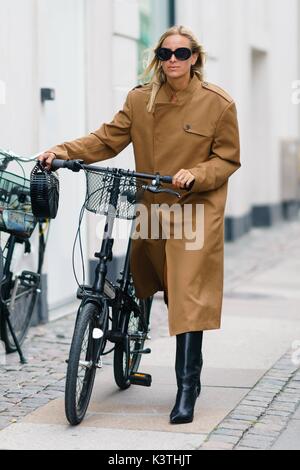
(144, 380)
(143, 351)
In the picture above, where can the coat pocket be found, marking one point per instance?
(198, 140)
(197, 130)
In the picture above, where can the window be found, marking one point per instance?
(155, 17)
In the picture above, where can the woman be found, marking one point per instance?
(179, 125)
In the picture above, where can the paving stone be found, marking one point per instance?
(243, 417)
(272, 412)
(236, 425)
(243, 448)
(289, 408)
(220, 446)
(4, 422)
(268, 426)
(260, 396)
(257, 404)
(287, 399)
(250, 410)
(228, 432)
(8, 404)
(255, 432)
(224, 439)
(257, 443)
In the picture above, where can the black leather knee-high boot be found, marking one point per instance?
(188, 368)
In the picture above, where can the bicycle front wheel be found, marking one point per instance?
(83, 361)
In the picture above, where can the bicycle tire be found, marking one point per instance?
(20, 317)
(76, 403)
(120, 354)
(1, 264)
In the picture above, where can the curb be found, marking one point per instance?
(261, 417)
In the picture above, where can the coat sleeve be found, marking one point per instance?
(225, 157)
(102, 144)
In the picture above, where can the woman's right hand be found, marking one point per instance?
(46, 159)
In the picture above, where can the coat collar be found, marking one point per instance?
(166, 93)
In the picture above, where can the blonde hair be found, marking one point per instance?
(154, 70)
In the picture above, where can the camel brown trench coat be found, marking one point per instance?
(198, 132)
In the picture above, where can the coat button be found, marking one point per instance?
(188, 127)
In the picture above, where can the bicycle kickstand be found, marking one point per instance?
(21, 355)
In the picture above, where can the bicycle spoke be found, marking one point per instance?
(84, 366)
(84, 360)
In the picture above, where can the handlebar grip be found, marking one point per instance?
(57, 164)
(167, 179)
(19, 191)
(73, 165)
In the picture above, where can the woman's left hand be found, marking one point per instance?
(183, 179)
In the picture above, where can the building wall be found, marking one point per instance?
(87, 50)
(60, 63)
(253, 51)
(42, 45)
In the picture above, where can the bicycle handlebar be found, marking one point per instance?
(7, 156)
(13, 156)
(78, 165)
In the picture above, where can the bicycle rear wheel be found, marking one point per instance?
(83, 361)
(21, 303)
(136, 327)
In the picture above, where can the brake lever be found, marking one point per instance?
(155, 190)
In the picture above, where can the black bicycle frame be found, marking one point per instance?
(7, 276)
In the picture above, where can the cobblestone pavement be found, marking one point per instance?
(255, 423)
(261, 417)
(24, 388)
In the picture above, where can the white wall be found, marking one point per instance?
(61, 65)
(18, 70)
(110, 79)
(253, 52)
(42, 45)
(87, 51)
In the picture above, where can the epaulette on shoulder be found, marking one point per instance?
(218, 90)
(145, 85)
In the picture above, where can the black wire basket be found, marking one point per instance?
(16, 216)
(44, 190)
(113, 194)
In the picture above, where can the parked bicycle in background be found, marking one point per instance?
(19, 288)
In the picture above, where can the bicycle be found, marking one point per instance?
(18, 291)
(109, 313)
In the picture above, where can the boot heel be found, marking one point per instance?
(183, 412)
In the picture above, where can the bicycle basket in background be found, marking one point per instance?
(107, 190)
(44, 189)
(16, 215)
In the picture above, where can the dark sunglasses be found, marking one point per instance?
(164, 54)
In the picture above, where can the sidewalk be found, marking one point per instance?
(251, 378)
